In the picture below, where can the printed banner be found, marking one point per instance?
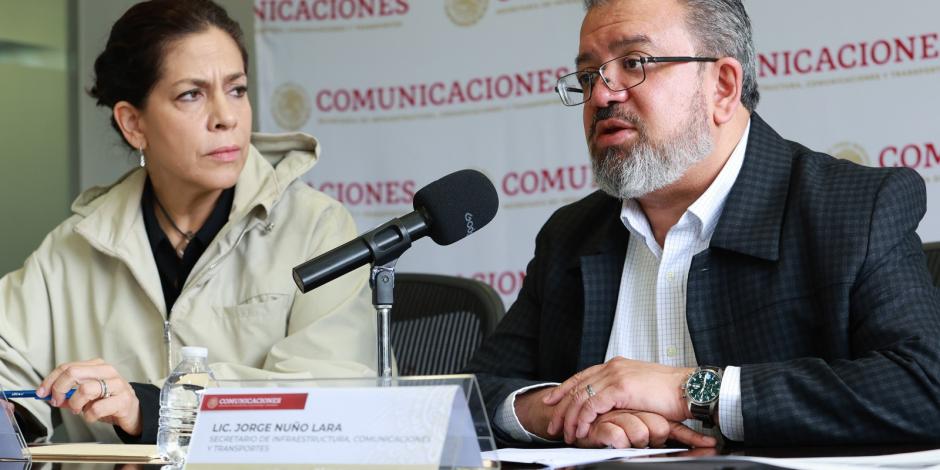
(255, 401)
(403, 92)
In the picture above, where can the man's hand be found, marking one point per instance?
(620, 384)
(534, 414)
(618, 428)
(622, 429)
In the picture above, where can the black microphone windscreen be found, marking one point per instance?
(457, 205)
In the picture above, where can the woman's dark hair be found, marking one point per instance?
(132, 60)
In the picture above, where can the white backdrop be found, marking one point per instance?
(402, 92)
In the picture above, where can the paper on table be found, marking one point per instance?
(565, 456)
(925, 460)
(97, 452)
(929, 459)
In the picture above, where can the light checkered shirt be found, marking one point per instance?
(650, 322)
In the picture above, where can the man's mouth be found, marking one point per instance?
(612, 131)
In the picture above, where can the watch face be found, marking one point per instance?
(703, 386)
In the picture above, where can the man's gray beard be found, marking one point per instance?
(652, 165)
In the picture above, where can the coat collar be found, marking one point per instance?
(112, 222)
(751, 220)
(275, 161)
(112, 219)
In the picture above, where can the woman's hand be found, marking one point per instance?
(101, 394)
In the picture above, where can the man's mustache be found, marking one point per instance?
(615, 111)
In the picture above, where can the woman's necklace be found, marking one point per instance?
(187, 236)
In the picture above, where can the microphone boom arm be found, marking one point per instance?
(381, 245)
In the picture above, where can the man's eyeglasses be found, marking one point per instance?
(618, 74)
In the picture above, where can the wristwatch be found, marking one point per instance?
(701, 390)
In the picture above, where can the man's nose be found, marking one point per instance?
(602, 96)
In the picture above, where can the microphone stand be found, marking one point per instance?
(382, 281)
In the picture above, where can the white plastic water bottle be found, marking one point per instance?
(179, 403)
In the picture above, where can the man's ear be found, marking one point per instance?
(727, 91)
(128, 119)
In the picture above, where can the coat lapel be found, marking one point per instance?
(601, 264)
(751, 220)
(747, 233)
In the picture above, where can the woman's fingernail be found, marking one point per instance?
(41, 392)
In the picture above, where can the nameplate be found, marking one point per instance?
(12, 445)
(389, 427)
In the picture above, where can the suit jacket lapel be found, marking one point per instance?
(750, 225)
(751, 220)
(601, 265)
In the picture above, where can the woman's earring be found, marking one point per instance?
(143, 160)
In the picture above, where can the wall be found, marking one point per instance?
(36, 181)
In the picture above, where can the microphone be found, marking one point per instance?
(447, 210)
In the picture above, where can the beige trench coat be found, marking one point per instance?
(92, 289)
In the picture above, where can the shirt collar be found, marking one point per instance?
(154, 233)
(706, 209)
(217, 218)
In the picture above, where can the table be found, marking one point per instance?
(705, 463)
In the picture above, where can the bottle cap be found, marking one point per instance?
(195, 351)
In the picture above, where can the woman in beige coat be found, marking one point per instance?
(193, 248)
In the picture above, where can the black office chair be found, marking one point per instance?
(932, 250)
(438, 322)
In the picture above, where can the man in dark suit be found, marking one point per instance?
(723, 275)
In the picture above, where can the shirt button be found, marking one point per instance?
(671, 351)
(671, 276)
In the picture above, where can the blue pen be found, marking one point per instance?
(7, 394)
